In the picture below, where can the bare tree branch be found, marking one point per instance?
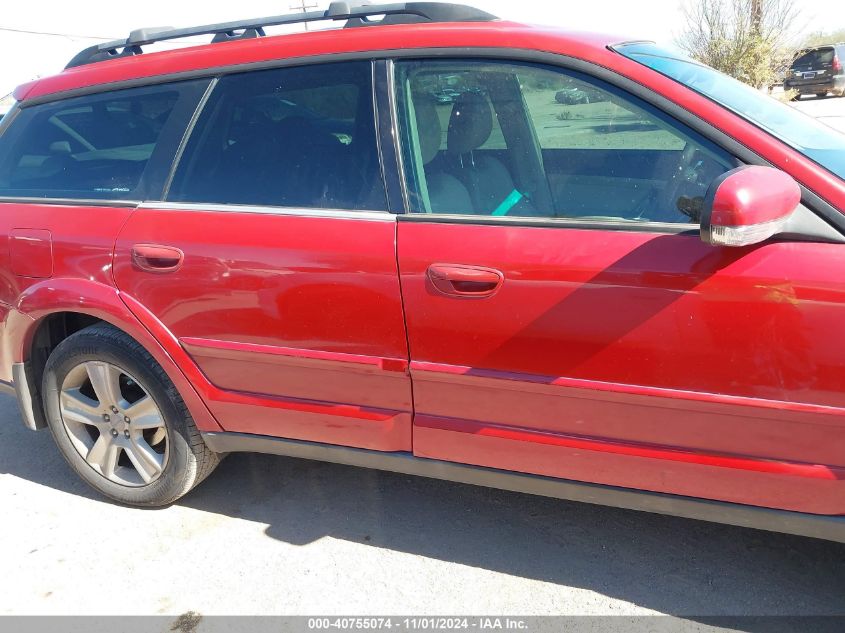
(751, 40)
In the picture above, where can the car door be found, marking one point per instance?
(565, 318)
(272, 260)
(71, 172)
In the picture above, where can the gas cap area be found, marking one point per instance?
(31, 253)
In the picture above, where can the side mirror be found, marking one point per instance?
(748, 205)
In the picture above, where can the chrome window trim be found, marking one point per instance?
(69, 202)
(820, 207)
(596, 224)
(341, 214)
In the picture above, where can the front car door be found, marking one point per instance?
(564, 317)
(272, 260)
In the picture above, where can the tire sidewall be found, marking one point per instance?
(91, 345)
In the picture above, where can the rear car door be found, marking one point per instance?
(565, 318)
(272, 260)
(71, 172)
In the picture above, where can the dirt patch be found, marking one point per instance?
(187, 622)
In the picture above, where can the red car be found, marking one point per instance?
(631, 296)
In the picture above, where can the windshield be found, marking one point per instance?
(820, 143)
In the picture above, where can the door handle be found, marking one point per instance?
(468, 282)
(154, 258)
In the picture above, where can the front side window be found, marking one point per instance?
(96, 147)
(289, 137)
(523, 140)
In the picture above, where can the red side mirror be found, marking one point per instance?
(748, 205)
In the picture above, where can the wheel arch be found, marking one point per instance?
(50, 311)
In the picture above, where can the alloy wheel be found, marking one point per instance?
(114, 424)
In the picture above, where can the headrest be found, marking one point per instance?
(428, 127)
(471, 123)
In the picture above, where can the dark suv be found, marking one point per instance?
(817, 71)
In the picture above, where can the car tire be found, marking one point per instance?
(821, 95)
(93, 381)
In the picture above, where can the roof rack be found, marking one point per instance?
(355, 15)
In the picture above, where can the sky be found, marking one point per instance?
(75, 25)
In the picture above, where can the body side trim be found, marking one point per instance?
(830, 528)
(631, 449)
(441, 371)
(209, 345)
(302, 405)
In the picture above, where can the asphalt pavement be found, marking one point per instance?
(828, 110)
(274, 535)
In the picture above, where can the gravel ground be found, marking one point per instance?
(271, 535)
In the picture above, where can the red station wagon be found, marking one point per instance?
(436, 243)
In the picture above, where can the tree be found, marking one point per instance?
(820, 38)
(751, 40)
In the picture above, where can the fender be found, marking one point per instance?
(104, 302)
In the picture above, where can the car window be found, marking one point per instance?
(808, 135)
(445, 89)
(563, 146)
(815, 57)
(289, 137)
(97, 146)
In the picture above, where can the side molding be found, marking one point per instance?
(831, 528)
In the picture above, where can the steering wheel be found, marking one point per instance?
(668, 203)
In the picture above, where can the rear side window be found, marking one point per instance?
(291, 137)
(98, 147)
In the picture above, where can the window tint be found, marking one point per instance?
(291, 137)
(569, 113)
(800, 131)
(99, 146)
(527, 140)
(815, 57)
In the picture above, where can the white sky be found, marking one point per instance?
(24, 56)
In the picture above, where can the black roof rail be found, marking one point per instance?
(354, 14)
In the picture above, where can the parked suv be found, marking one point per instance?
(818, 71)
(293, 245)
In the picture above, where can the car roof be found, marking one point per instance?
(379, 39)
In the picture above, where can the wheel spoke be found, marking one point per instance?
(76, 407)
(144, 414)
(147, 462)
(123, 427)
(104, 455)
(105, 379)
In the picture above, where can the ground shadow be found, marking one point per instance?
(674, 566)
